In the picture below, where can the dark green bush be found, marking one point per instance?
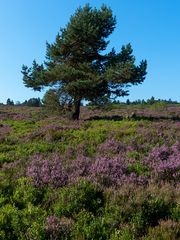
(27, 223)
(166, 230)
(25, 193)
(149, 214)
(6, 187)
(139, 208)
(7, 215)
(83, 195)
(125, 234)
(175, 213)
(89, 227)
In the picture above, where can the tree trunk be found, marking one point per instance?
(75, 115)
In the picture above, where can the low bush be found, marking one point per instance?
(47, 172)
(166, 230)
(83, 195)
(25, 193)
(89, 227)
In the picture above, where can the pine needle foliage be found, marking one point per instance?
(78, 64)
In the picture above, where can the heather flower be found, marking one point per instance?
(108, 171)
(47, 171)
(169, 169)
(56, 227)
(4, 131)
(113, 146)
(133, 178)
(79, 168)
(52, 227)
(52, 224)
(164, 162)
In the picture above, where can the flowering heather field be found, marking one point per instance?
(114, 174)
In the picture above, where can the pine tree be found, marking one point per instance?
(10, 102)
(77, 64)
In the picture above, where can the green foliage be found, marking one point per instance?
(150, 213)
(167, 230)
(73, 199)
(88, 227)
(25, 193)
(22, 224)
(9, 102)
(51, 101)
(56, 102)
(133, 211)
(20, 127)
(6, 188)
(32, 102)
(35, 232)
(76, 65)
(7, 215)
(31, 220)
(124, 234)
(159, 106)
(138, 168)
(30, 148)
(175, 213)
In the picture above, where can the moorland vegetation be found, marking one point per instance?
(110, 175)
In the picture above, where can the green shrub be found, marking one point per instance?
(73, 199)
(149, 214)
(21, 127)
(175, 213)
(25, 193)
(159, 106)
(6, 187)
(138, 168)
(51, 101)
(89, 227)
(35, 232)
(7, 214)
(3, 200)
(167, 230)
(125, 234)
(29, 222)
(140, 208)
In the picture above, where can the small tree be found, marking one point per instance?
(51, 101)
(9, 102)
(151, 100)
(34, 102)
(128, 102)
(78, 66)
(54, 101)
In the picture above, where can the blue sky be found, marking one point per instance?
(152, 27)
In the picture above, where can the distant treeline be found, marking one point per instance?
(150, 101)
(32, 102)
(37, 102)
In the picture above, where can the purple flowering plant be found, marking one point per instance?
(47, 171)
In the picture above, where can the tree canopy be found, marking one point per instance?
(78, 65)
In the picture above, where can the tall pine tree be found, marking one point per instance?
(78, 65)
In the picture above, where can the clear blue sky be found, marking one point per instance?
(152, 27)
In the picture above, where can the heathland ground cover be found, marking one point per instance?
(113, 174)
